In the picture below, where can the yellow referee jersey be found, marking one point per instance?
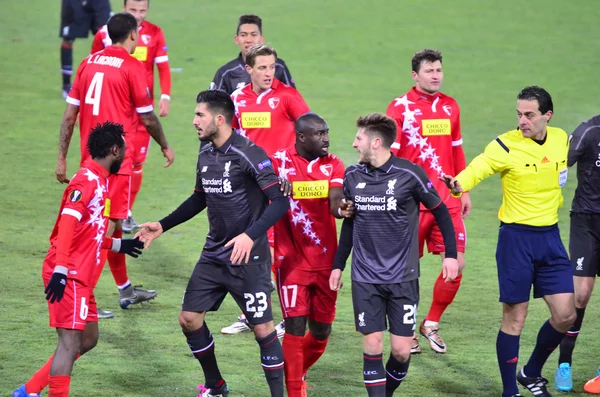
(532, 175)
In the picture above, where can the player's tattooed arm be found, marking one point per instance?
(66, 133)
(154, 128)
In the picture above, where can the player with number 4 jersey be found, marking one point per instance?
(305, 246)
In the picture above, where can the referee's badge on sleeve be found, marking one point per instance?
(562, 177)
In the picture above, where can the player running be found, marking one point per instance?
(77, 19)
(305, 246)
(532, 161)
(150, 50)
(387, 192)
(584, 240)
(235, 181)
(233, 74)
(266, 111)
(111, 85)
(429, 135)
(72, 266)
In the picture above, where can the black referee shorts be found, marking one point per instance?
(249, 285)
(376, 303)
(584, 244)
(79, 17)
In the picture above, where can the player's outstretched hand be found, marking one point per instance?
(449, 269)
(347, 209)
(242, 246)
(61, 171)
(452, 184)
(148, 232)
(163, 107)
(131, 246)
(465, 204)
(335, 280)
(56, 287)
(169, 154)
(285, 187)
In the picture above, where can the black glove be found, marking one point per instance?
(131, 246)
(56, 287)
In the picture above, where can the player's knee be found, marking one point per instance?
(320, 331)
(263, 330)
(401, 352)
(69, 343)
(373, 343)
(583, 293)
(89, 342)
(513, 322)
(191, 321)
(295, 326)
(563, 320)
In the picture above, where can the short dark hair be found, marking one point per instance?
(103, 137)
(259, 50)
(425, 55)
(120, 26)
(309, 121)
(125, 2)
(380, 125)
(217, 102)
(535, 93)
(249, 19)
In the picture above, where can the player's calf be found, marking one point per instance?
(271, 355)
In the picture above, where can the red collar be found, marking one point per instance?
(415, 95)
(96, 168)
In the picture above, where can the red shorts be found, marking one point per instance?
(75, 309)
(141, 144)
(306, 293)
(430, 232)
(119, 188)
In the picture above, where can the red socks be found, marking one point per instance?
(443, 295)
(117, 263)
(313, 350)
(293, 350)
(59, 386)
(300, 353)
(41, 378)
(136, 183)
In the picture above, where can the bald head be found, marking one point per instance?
(312, 136)
(310, 122)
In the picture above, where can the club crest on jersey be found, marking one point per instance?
(146, 38)
(273, 102)
(447, 109)
(391, 185)
(326, 169)
(75, 196)
(226, 173)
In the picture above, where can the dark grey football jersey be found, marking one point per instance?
(584, 150)
(233, 178)
(386, 225)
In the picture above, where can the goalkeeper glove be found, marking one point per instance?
(56, 287)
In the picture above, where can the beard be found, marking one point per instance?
(115, 167)
(365, 158)
(209, 133)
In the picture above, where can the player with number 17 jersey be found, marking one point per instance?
(110, 85)
(306, 236)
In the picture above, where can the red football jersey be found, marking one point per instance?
(85, 199)
(268, 119)
(306, 236)
(151, 48)
(110, 85)
(429, 135)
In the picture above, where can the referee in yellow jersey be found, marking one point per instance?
(532, 162)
